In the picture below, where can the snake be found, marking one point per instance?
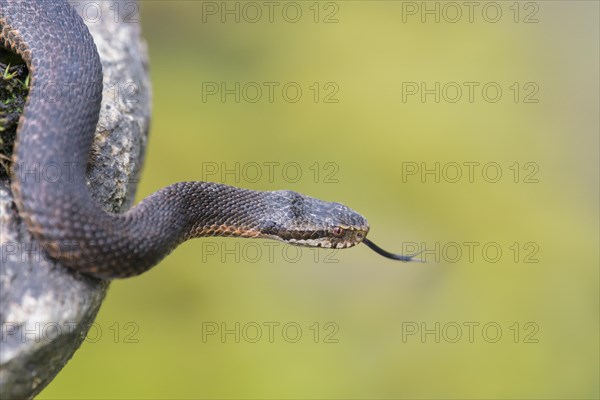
(58, 49)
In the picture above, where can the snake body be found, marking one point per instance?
(61, 214)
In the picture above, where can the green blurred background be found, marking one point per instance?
(547, 310)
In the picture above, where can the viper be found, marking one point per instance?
(58, 49)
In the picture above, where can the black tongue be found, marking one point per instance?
(387, 254)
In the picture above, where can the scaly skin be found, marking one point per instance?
(59, 51)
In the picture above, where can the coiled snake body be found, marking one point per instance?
(58, 48)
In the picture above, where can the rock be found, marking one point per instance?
(45, 308)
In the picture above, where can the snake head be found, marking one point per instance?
(305, 221)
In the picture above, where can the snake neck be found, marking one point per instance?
(201, 209)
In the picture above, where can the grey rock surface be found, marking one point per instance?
(45, 308)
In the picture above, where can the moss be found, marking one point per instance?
(14, 87)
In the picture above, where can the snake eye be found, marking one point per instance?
(337, 231)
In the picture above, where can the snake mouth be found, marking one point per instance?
(338, 237)
(323, 243)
